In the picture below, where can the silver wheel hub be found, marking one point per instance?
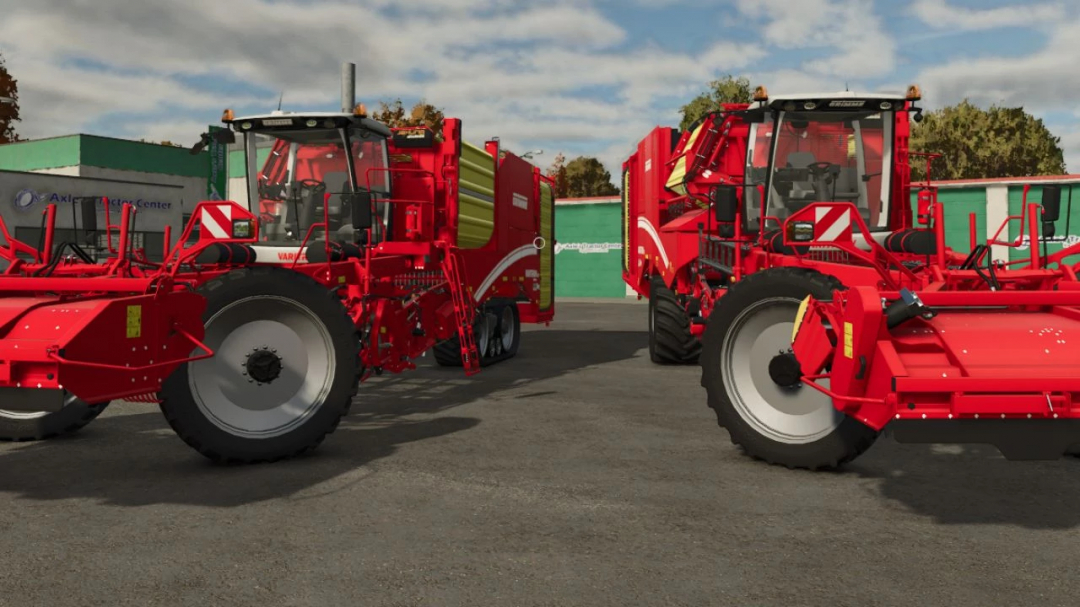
(795, 415)
(273, 367)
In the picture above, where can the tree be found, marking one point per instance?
(585, 176)
(728, 89)
(557, 172)
(393, 115)
(978, 144)
(9, 112)
(165, 143)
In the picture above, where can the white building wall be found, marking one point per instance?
(72, 171)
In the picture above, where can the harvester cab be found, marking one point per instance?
(305, 168)
(813, 148)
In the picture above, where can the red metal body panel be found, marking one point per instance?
(999, 340)
(55, 314)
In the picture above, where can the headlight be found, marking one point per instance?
(800, 231)
(241, 228)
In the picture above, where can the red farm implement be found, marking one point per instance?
(779, 249)
(364, 248)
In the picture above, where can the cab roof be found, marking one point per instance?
(298, 120)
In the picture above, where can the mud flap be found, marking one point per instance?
(1016, 439)
(32, 401)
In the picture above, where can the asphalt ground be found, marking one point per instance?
(576, 474)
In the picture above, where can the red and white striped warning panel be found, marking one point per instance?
(216, 220)
(832, 223)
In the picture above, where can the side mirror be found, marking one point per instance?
(360, 205)
(1051, 202)
(725, 203)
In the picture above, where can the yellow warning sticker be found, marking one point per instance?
(799, 318)
(134, 322)
(849, 350)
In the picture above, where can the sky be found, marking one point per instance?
(580, 77)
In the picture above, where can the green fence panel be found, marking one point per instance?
(1067, 225)
(587, 254)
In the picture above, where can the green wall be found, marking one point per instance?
(959, 204)
(1069, 218)
(105, 152)
(237, 165)
(588, 274)
(143, 157)
(40, 154)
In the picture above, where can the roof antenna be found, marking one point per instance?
(280, 97)
(846, 89)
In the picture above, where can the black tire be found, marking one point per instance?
(670, 339)
(829, 448)
(310, 303)
(20, 426)
(448, 353)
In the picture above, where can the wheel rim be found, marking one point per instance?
(246, 336)
(27, 415)
(792, 416)
(507, 328)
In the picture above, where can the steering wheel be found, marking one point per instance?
(822, 169)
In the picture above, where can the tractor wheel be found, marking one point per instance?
(285, 370)
(39, 425)
(497, 331)
(752, 324)
(670, 339)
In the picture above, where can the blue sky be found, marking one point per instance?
(572, 76)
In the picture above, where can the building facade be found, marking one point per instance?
(162, 182)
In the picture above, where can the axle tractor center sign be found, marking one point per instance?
(28, 198)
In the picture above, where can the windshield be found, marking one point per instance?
(822, 157)
(302, 167)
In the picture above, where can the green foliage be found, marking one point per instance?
(557, 172)
(9, 112)
(978, 144)
(728, 89)
(586, 176)
(393, 115)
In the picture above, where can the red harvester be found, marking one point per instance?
(777, 245)
(365, 248)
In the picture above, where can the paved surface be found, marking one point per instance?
(577, 474)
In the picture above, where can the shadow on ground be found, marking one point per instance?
(545, 354)
(135, 459)
(973, 485)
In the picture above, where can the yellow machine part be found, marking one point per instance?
(547, 254)
(476, 197)
(678, 173)
(626, 219)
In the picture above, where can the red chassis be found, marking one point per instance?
(958, 354)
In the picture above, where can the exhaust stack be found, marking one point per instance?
(348, 87)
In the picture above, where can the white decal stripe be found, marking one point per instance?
(651, 231)
(837, 228)
(216, 230)
(268, 254)
(510, 259)
(820, 213)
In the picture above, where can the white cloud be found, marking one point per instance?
(1039, 81)
(939, 14)
(849, 28)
